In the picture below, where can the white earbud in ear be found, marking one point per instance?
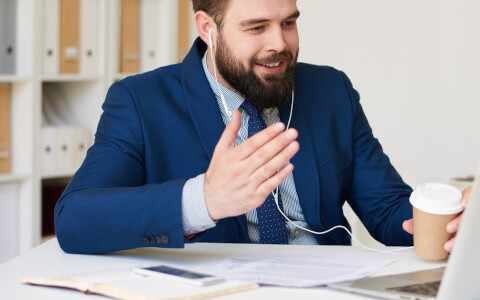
(210, 38)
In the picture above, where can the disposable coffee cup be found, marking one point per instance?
(434, 205)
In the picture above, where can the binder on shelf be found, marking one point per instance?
(183, 40)
(50, 38)
(150, 38)
(130, 36)
(64, 145)
(8, 221)
(69, 36)
(89, 20)
(7, 36)
(81, 144)
(48, 149)
(5, 136)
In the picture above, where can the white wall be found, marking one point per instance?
(416, 65)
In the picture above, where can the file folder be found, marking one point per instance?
(64, 143)
(48, 149)
(150, 37)
(81, 143)
(50, 38)
(7, 36)
(89, 34)
(64, 147)
(5, 135)
(130, 36)
(183, 40)
(69, 36)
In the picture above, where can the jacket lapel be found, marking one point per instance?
(200, 99)
(305, 166)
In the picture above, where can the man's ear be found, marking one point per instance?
(204, 23)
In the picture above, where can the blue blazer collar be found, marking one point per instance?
(200, 99)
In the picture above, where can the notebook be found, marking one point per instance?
(458, 280)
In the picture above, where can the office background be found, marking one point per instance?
(415, 64)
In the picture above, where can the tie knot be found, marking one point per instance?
(252, 110)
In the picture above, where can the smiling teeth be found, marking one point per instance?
(272, 65)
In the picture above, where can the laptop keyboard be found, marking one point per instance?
(426, 288)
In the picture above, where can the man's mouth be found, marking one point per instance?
(272, 65)
(272, 68)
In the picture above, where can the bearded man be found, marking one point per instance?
(199, 151)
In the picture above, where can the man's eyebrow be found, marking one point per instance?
(294, 15)
(250, 22)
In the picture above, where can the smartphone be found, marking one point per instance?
(195, 278)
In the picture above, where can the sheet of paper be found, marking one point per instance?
(304, 270)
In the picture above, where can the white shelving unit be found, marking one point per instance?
(84, 94)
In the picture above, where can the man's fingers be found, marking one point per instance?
(449, 245)
(272, 149)
(465, 196)
(408, 226)
(271, 167)
(271, 183)
(453, 225)
(229, 135)
(256, 141)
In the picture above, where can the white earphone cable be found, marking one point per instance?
(227, 110)
(332, 228)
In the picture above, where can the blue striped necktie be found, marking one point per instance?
(270, 222)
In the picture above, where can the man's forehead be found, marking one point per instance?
(240, 11)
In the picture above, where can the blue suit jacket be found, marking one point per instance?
(160, 128)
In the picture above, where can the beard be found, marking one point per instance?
(270, 92)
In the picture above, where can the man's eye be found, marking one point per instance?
(258, 28)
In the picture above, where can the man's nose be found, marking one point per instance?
(276, 40)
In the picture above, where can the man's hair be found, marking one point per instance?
(214, 8)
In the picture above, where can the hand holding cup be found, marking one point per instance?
(434, 206)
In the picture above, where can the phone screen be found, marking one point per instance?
(177, 272)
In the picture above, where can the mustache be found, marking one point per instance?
(282, 56)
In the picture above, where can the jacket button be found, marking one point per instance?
(145, 241)
(158, 240)
(151, 240)
(165, 239)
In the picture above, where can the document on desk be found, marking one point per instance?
(302, 270)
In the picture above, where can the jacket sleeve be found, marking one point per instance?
(107, 206)
(378, 196)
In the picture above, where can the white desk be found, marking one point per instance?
(49, 260)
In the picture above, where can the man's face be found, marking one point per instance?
(257, 49)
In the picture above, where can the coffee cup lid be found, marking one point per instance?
(437, 198)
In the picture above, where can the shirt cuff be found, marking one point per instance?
(195, 217)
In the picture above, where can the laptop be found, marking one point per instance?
(458, 280)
